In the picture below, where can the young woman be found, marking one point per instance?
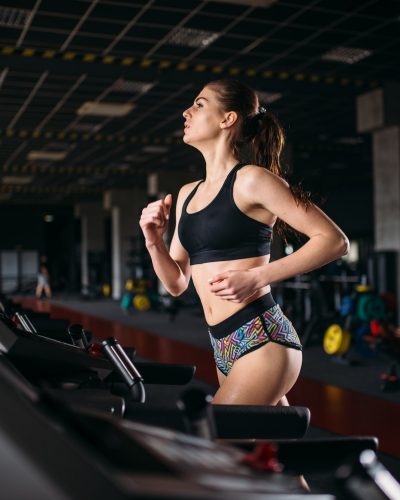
(222, 240)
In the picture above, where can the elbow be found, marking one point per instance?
(177, 291)
(343, 246)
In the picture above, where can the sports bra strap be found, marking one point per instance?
(191, 194)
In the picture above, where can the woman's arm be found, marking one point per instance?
(172, 268)
(326, 241)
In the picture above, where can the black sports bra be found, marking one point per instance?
(221, 231)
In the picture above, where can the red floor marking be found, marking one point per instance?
(335, 409)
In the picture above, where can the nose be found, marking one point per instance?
(185, 114)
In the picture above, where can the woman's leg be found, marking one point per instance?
(261, 377)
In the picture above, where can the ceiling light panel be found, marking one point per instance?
(18, 180)
(13, 18)
(47, 155)
(347, 55)
(190, 37)
(104, 109)
(132, 86)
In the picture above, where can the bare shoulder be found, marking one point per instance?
(185, 190)
(254, 177)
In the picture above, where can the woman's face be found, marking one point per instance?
(204, 119)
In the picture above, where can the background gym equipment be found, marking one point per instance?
(364, 316)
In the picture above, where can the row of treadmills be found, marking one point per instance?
(75, 424)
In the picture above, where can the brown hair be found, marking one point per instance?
(259, 137)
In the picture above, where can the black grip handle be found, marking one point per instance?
(127, 371)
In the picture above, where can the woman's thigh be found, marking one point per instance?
(260, 377)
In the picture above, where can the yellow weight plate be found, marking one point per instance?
(129, 285)
(336, 340)
(141, 302)
(106, 290)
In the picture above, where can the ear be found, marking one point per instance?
(230, 118)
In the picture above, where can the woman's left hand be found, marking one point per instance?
(235, 286)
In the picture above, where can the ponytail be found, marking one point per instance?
(259, 137)
(266, 137)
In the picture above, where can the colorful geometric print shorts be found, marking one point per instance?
(255, 325)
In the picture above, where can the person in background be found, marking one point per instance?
(43, 284)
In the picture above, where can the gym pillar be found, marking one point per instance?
(125, 207)
(378, 112)
(92, 236)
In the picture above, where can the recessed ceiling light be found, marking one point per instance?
(47, 155)
(14, 179)
(105, 109)
(132, 86)
(190, 37)
(268, 97)
(155, 149)
(348, 55)
(13, 18)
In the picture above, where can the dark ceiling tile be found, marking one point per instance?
(44, 21)
(91, 43)
(121, 12)
(207, 23)
(390, 30)
(251, 29)
(73, 7)
(293, 33)
(357, 24)
(317, 19)
(178, 4)
(147, 31)
(232, 43)
(161, 16)
(225, 9)
(9, 36)
(333, 38)
(277, 13)
(45, 39)
(101, 27)
(389, 9)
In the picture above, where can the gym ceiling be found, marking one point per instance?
(92, 91)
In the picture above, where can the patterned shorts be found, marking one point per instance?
(264, 325)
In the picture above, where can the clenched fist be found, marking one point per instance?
(154, 220)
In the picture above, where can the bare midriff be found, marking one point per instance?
(215, 308)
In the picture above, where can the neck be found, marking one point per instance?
(219, 161)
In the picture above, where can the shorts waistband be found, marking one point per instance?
(241, 317)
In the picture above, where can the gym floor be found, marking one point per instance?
(344, 398)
